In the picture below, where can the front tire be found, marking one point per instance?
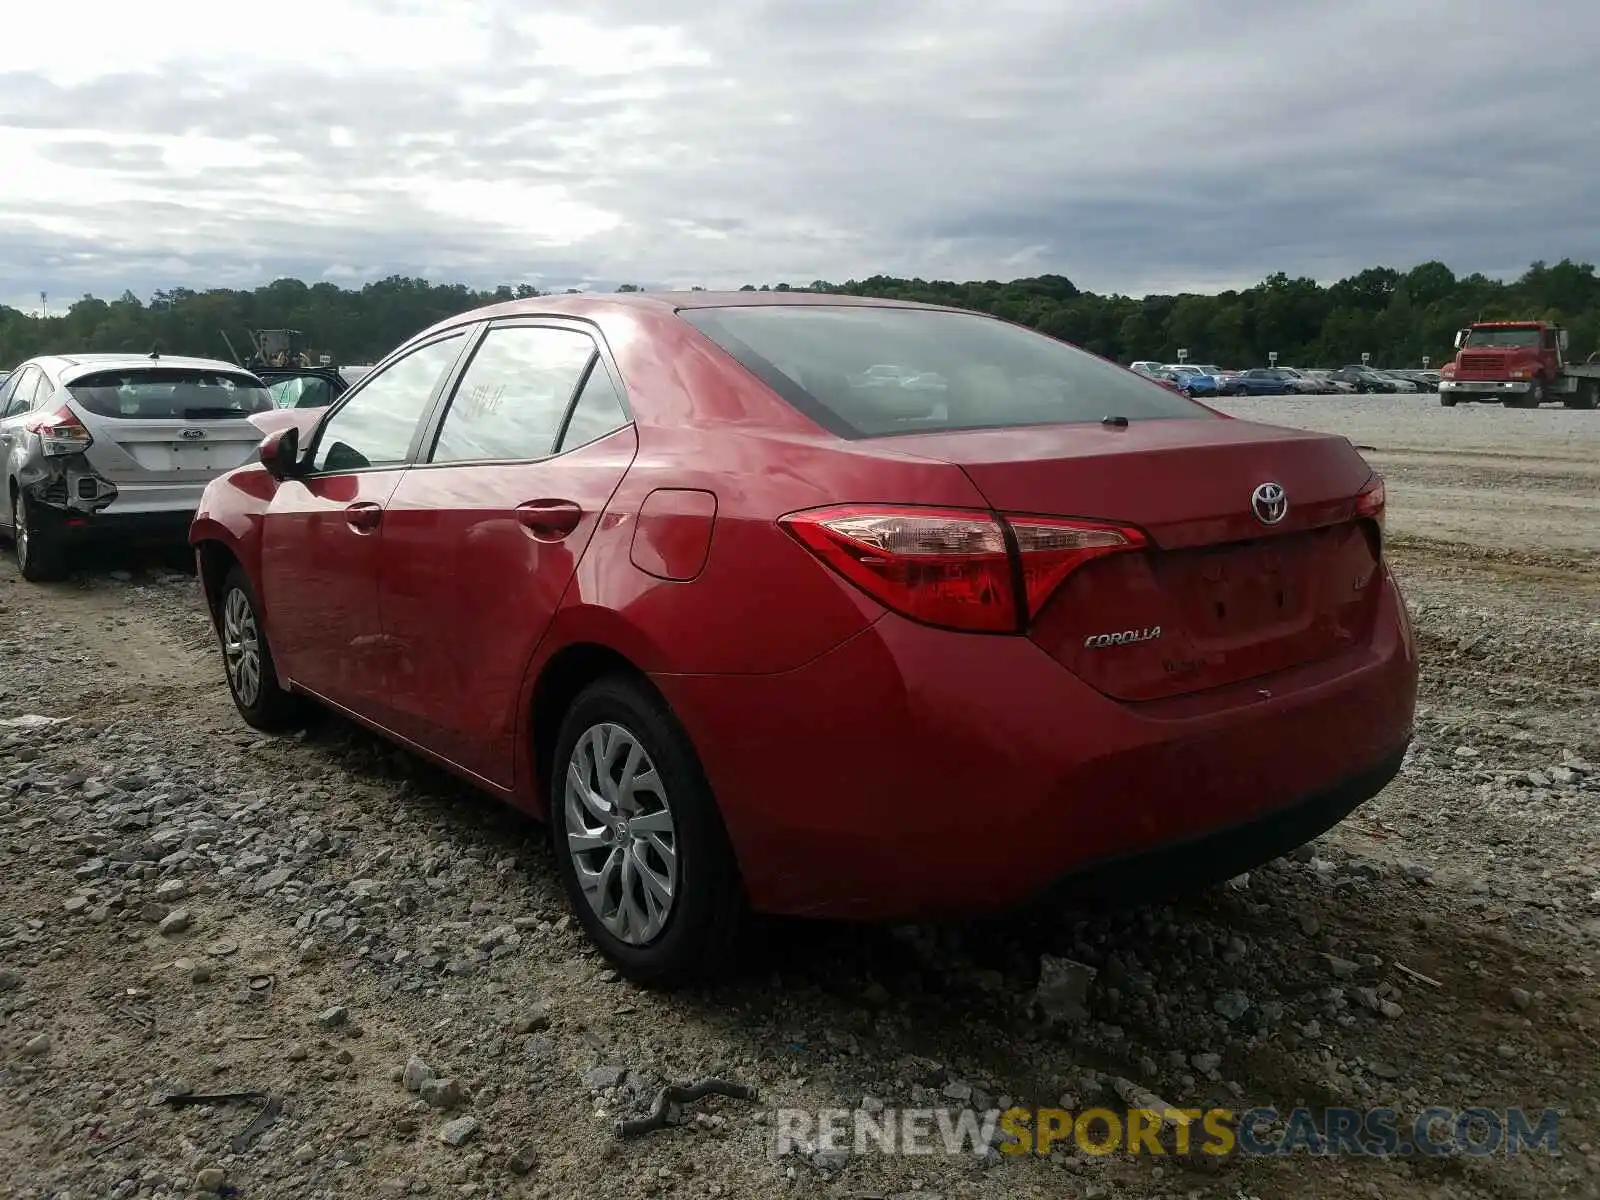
(639, 841)
(247, 659)
(1532, 398)
(41, 557)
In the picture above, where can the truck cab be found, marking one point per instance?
(1519, 363)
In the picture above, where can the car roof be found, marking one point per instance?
(72, 366)
(593, 303)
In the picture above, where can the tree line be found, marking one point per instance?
(1397, 317)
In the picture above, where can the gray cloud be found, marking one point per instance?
(1133, 145)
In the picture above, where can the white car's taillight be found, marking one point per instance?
(60, 433)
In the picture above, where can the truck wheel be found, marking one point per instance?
(1532, 398)
(1585, 396)
(1447, 400)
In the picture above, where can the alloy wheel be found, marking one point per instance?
(19, 518)
(620, 834)
(241, 647)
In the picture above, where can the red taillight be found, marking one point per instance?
(1370, 501)
(60, 432)
(955, 568)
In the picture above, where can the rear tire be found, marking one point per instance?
(41, 556)
(1585, 397)
(630, 807)
(247, 659)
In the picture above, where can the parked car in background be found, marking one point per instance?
(1365, 379)
(1327, 384)
(1227, 381)
(629, 561)
(1270, 381)
(98, 446)
(1145, 367)
(1422, 381)
(309, 387)
(1302, 383)
(1173, 383)
(1193, 380)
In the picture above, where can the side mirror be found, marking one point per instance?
(1461, 336)
(280, 453)
(1561, 340)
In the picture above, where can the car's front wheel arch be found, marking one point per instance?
(214, 560)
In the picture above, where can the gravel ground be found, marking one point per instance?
(185, 905)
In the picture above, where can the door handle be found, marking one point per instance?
(364, 516)
(549, 520)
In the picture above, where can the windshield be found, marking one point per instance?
(170, 393)
(867, 371)
(1502, 338)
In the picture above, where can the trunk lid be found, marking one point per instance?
(166, 422)
(134, 451)
(1219, 596)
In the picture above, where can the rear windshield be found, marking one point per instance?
(869, 371)
(175, 393)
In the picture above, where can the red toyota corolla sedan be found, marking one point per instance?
(816, 605)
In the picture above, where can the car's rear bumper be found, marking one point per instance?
(114, 526)
(912, 773)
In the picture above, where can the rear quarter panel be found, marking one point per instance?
(762, 604)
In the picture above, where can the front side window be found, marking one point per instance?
(514, 395)
(872, 370)
(375, 426)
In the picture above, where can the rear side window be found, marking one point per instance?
(17, 393)
(598, 411)
(870, 371)
(169, 393)
(514, 395)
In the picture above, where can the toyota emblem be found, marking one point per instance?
(1269, 503)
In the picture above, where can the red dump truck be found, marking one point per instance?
(1521, 364)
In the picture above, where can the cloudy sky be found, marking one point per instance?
(1133, 145)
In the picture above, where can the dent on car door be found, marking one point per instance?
(483, 537)
(323, 534)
